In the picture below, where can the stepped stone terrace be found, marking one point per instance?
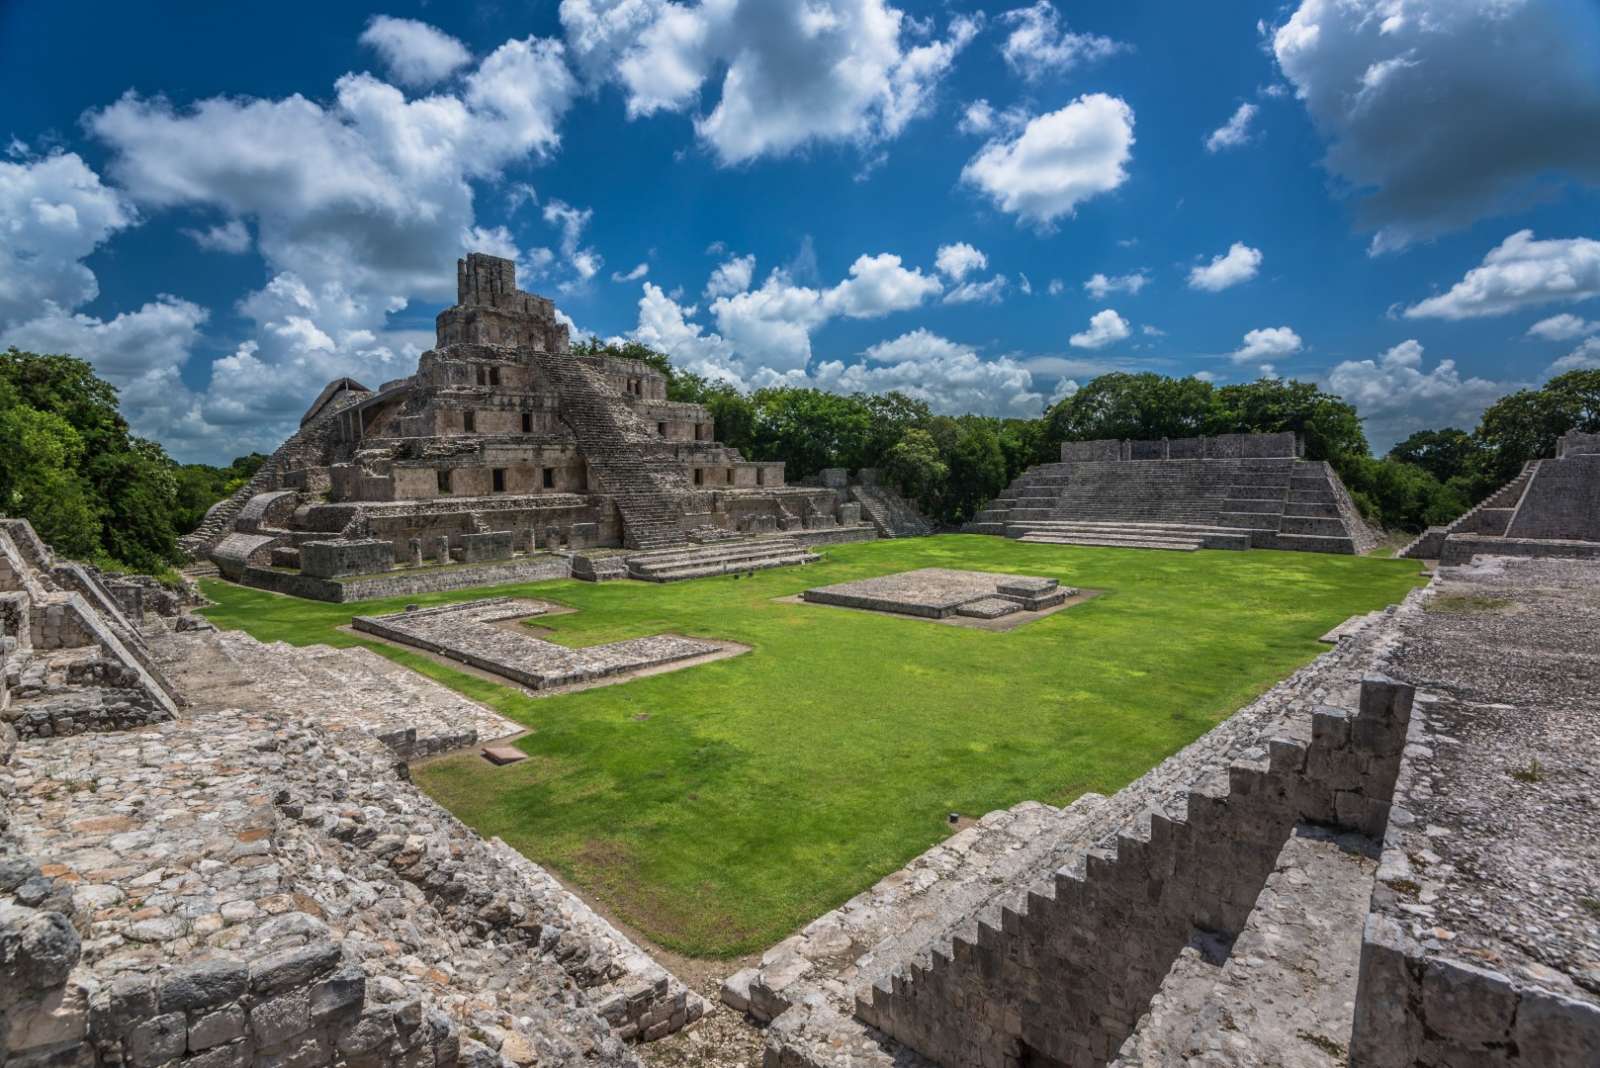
(1234, 491)
(500, 458)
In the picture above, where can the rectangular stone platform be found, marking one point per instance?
(938, 593)
(472, 634)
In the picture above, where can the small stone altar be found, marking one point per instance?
(940, 593)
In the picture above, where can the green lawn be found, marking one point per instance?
(719, 807)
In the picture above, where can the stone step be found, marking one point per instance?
(1110, 541)
(1310, 524)
(1284, 994)
(681, 572)
(1208, 537)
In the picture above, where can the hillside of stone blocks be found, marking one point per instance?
(211, 854)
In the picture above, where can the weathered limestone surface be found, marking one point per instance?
(1284, 996)
(252, 880)
(1483, 946)
(473, 633)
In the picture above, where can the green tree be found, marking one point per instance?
(1445, 454)
(915, 465)
(40, 456)
(1330, 426)
(810, 430)
(1141, 406)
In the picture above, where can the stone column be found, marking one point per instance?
(441, 550)
(415, 547)
(552, 538)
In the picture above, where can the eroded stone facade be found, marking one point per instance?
(502, 443)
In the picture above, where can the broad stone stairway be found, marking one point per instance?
(720, 558)
(1178, 505)
(624, 457)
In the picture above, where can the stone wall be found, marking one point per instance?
(405, 583)
(1095, 942)
(338, 559)
(1577, 443)
(1286, 445)
(1461, 548)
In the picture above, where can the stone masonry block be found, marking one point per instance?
(203, 985)
(278, 1019)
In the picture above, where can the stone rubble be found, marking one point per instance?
(255, 882)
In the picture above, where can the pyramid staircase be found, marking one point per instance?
(1178, 505)
(625, 459)
(1491, 517)
(890, 513)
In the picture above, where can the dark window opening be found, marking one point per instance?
(527, 422)
(730, 476)
(661, 428)
(494, 376)
(482, 377)
(469, 421)
(444, 480)
(761, 476)
(499, 474)
(699, 477)
(549, 478)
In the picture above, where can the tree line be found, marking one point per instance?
(70, 464)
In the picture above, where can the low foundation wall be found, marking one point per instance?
(408, 583)
(1461, 548)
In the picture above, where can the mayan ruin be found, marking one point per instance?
(800, 534)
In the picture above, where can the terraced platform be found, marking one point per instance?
(939, 593)
(1164, 495)
(719, 558)
(486, 635)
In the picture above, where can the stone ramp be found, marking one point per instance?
(718, 558)
(1285, 995)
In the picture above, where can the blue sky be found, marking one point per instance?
(227, 206)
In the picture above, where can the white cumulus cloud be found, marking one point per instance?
(1234, 132)
(1039, 44)
(1057, 160)
(1237, 265)
(791, 74)
(1099, 286)
(1521, 273)
(1563, 327)
(1396, 395)
(957, 260)
(1105, 327)
(417, 54)
(1272, 342)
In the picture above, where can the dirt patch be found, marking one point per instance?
(1460, 604)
